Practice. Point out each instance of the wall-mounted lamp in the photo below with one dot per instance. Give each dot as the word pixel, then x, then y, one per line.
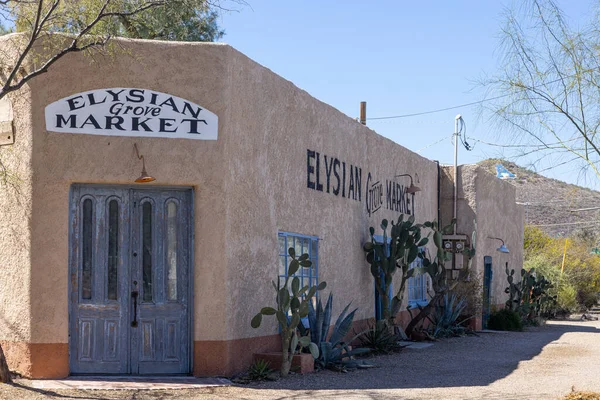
pixel 144 177
pixel 502 248
pixel 412 189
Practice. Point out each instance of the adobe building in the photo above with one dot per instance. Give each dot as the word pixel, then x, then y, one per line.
pixel 101 274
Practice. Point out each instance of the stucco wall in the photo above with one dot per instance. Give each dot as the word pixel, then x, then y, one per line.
pixel 491 202
pixel 248 185
pixel 498 216
pixel 15 206
pixel 266 148
pixel 15 223
pixel 197 72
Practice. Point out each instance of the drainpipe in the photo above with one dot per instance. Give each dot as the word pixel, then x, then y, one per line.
pixel 456 119
pixel 439 213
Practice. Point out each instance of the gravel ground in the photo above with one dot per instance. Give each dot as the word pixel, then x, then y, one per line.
pixel 542 363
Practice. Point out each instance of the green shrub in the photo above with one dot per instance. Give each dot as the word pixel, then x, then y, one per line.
pixel 505 320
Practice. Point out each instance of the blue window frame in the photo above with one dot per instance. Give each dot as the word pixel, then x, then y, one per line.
pixel 301 244
pixel 417 286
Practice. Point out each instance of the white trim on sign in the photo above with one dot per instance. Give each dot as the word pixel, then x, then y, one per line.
pixel 131 112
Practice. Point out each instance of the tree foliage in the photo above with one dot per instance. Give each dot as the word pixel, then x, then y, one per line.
pixel 548 89
pixel 578 284
pixel 187 20
pixel 50 29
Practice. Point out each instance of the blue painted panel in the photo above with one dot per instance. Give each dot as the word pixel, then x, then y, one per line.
pixel 487 287
pixel 127 335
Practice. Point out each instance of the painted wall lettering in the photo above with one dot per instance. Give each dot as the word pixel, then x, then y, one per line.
pixel 397 199
pixel 374 195
pixel 131 112
pixel 340 178
pixel 330 175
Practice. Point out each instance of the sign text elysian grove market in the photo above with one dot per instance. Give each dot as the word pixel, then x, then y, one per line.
pixel 131 112
pixel 331 175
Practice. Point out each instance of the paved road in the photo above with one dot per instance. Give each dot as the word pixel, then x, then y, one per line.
pixel 544 363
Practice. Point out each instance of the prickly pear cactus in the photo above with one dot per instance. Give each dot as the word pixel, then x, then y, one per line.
pixel 529 295
pixel 292 305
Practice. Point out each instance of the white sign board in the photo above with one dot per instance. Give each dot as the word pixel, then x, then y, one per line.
pixel 131 112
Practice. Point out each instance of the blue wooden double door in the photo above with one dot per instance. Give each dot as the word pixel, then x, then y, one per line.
pixel 130 262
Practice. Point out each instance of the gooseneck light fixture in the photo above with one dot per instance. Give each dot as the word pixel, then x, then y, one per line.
pixel 412 189
pixel 144 177
pixel 502 248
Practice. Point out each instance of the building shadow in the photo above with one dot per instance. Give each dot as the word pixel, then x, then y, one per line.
pixel 458 362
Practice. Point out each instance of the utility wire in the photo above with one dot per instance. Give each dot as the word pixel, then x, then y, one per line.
pixel 438 110
pixel 568 223
pixel 558 165
pixel 468 104
pixel 434 143
pixel 540 146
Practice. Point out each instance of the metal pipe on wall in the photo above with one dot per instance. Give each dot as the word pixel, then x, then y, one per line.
pixel 454 216
pixel 363 112
pixel 439 214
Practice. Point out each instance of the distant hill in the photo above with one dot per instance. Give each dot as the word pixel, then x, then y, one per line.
pixel 548 201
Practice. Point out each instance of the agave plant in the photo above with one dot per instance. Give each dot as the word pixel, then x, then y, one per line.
pixel 380 339
pixel 334 351
pixel 445 319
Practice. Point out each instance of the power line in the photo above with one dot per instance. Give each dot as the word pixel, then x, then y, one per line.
pixel 568 223
pixel 438 110
pixel 467 104
pixel 558 165
pixel 434 143
pixel 539 146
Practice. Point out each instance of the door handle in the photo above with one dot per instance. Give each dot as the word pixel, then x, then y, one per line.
pixel 134 296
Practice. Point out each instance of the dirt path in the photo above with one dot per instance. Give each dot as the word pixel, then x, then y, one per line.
pixel 544 363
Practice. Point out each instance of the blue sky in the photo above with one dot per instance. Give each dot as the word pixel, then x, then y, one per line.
pixel 401 57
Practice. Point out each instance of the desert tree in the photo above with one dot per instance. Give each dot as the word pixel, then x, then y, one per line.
pixel 546 95
pixel 47 30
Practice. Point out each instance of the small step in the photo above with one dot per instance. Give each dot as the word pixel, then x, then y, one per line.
pixel 125 382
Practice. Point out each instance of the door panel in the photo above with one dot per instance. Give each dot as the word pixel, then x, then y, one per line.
pixel 487 287
pixel 130 279
pixel 161 234
pixel 98 326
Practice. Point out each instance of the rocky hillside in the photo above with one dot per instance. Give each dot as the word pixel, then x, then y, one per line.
pixel 548 202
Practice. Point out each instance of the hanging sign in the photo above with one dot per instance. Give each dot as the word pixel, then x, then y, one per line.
pixel 131 112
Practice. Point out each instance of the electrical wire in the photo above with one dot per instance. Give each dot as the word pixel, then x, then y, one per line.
pixel 434 143
pixel 557 165
pixel 540 146
pixel 568 223
pixel 472 103
pixel 438 110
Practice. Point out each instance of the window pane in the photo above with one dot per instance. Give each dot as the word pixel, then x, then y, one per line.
pixel 147 250
pixel 113 248
pixel 282 265
pixel 306 246
pixel 298 246
pixel 282 249
pixel 172 251
pixel 87 248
